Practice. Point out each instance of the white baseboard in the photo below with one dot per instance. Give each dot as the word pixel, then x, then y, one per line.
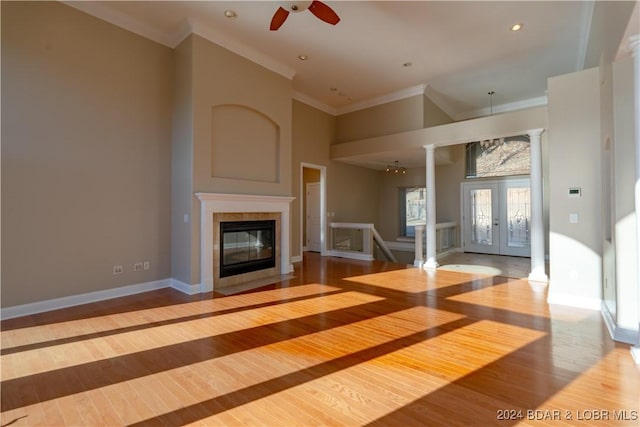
pixel 296 258
pixel 617 333
pixel 448 252
pixel 574 300
pixel 73 300
pixel 351 255
pixel 185 287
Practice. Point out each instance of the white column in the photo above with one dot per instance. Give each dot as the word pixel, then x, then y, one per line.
pixel 431 263
pixel 634 46
pixel 537 218
pixel 419 256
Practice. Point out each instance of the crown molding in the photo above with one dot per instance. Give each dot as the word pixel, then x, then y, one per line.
pixel 384 99
pixel 241 49
pixel 585 30
pixel 105 13
pixel 306 99
pixel 439 101
pixel 502 108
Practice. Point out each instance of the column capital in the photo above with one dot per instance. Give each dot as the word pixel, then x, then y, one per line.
pixel 535 132
pixel 429 147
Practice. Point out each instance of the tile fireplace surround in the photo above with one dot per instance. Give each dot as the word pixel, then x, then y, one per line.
pixel 211 203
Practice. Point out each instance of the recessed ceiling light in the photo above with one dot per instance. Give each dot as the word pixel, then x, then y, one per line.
pixel 303 57
pixel 517 27
pixel 231 14
pixel 407 64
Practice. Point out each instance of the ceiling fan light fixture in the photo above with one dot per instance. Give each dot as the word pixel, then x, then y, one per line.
pixel 303 57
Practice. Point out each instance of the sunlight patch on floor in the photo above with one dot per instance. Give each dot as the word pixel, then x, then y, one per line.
pixel 53 357
pixel 96 324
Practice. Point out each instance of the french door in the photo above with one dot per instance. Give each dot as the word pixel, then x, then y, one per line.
pixel 496 217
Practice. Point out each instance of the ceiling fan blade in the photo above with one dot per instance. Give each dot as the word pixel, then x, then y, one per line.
pixel 324 12
pixel 278 18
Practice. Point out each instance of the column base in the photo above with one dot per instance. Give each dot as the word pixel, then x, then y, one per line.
pixel 418 263
pixel 538 277
pixel 431 264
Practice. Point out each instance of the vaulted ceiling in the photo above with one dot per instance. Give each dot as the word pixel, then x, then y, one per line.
pixel 453 51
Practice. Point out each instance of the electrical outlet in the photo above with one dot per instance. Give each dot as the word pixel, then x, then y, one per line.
pixel 118 269
pixel 137 266
pixel 146 265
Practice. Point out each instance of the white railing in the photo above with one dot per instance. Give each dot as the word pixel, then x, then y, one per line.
pixel 356 240
pixel 445 240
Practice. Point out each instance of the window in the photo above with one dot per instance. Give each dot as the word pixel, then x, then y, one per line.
pixel 412 209
pixel 498 157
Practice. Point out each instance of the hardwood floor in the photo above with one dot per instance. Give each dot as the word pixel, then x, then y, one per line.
pixel 342 343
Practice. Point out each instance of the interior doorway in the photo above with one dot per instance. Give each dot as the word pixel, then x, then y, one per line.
pixel 313 208
pixel 312 217
pixel 496 217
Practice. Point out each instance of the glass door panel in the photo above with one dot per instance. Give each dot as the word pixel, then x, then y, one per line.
pixel 480 209
pixel 481 230
pixel 516 233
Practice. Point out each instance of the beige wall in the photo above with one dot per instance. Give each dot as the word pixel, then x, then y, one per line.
pixel 182 228
pixel 86 154
pixel 218 77
pixel 312 133
pixel 432 114
pixel 574 139
pixel 351 190
pixel 386 119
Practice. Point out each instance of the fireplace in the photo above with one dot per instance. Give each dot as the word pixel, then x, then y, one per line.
pixel 216 208
pixel 247 246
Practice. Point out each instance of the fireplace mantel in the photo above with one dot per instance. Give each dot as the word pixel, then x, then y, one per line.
pixel 211 203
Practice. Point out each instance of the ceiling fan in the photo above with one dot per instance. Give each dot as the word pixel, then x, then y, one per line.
pixel 319 9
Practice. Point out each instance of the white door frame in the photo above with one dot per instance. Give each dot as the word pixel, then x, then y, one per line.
pixel 323 205
pixel 500 238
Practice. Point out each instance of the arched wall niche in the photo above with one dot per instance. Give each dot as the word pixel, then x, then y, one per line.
pixel 245 144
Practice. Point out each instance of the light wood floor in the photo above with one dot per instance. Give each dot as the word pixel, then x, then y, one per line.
pixel 343 343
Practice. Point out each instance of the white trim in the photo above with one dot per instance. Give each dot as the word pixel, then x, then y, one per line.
pixel 571 300
pixel 384 99
pixel 401 246
pixel 105 13
pixel 502 108
pixel 585 30
pixel 184 287
pixel 448 252
pixel 628 336
pixel 351 255
pixel 241 49
pixel 306 99
pixel 323 205
pixel 295 259
pixel 73 300
pixel 439 101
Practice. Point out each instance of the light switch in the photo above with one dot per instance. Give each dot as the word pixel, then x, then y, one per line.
pixel 573 218
pixel 186 218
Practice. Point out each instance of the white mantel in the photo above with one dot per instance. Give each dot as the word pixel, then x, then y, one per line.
pixel 211 203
